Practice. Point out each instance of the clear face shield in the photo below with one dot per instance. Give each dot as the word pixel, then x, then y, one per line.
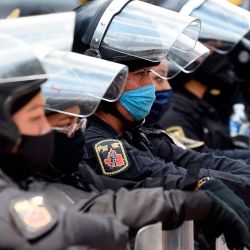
pixel 223 24
pixel 40 34
pixel 21 72
pixel 143 30
pixel 84 82
pixel 246 40
pixel 186 61
pixel 80 88
pixel 52 30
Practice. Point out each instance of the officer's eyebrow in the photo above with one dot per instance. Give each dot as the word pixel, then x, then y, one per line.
pixel 146 69
pixel 161 72
pixel 35 107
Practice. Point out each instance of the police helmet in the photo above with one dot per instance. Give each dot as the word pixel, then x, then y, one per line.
pixel 221 21
pixel 87 18
pixel 131 32
pixel 15 93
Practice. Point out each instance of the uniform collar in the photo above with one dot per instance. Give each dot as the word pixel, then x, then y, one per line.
pixel 101 125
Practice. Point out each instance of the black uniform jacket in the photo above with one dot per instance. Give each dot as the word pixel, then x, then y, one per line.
pixel 150 153
pixel 135 208
pixel 194 118
pixel 197 119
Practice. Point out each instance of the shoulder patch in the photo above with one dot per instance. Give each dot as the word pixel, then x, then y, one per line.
pixel 176 130
pixel 33 216
pixel 14 14
pixel 178 136
pixel 111 156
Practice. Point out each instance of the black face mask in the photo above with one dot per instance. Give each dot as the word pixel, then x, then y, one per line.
pixel 35 152
pixel 68 152
pixel 160 106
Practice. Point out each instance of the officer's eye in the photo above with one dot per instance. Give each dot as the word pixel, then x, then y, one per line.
pixel 140 73
pixel 159 80
pixel 156 79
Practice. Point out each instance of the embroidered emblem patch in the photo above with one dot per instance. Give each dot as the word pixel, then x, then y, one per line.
pixel 111 156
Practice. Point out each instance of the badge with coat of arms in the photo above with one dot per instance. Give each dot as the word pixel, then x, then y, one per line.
pixel 111 156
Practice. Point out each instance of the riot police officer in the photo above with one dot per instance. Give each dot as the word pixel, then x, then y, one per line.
pixel 137 158
pixel 33 220
pixel 198 108
pixel 161 105
pixel 193 115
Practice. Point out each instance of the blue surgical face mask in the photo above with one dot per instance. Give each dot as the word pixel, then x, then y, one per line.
pixel 160 106
pixel 138 102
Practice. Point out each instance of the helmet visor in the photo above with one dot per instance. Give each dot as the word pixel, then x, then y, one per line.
pixel 186 61
pixel 40 34
pixel 52 31
pixel 223 24
pixel 18 62
pixel 149 32
pixel 84 82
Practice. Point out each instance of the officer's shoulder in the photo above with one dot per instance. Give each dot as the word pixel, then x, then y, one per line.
pixel 97 133
pixel 174 117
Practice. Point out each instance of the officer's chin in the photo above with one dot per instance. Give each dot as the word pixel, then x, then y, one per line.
pixel 125 113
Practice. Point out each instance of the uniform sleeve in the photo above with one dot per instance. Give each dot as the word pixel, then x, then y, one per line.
pixel 121 160
pixel 209 161
pixel 234 173
pixel 212 162
pixel 142 207
pixel 32 221
pixel 236 154
pixel 159 179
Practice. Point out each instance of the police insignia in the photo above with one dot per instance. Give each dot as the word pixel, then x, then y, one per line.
pixel 14 14
pixel 111 156
pixel 178 136
pixel 177 130
pixel 33 216
pixel 215 92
